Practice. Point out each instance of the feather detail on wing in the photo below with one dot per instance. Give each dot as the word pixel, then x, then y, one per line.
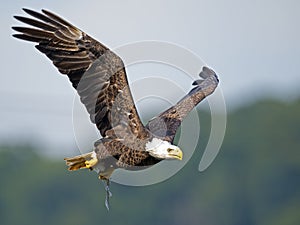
pixel 166 124
pixel 95 72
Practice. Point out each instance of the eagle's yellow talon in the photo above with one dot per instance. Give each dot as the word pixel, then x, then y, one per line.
pixel 91 163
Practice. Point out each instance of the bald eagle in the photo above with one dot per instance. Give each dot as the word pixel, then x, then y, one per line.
pixel 99 77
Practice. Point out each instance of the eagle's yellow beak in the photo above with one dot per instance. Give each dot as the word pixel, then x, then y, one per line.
pixel 175 153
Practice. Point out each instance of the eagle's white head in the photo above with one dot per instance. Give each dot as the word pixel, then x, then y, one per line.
pixel 163 149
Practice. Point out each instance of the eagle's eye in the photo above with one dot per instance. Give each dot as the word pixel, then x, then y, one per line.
pixel 169 149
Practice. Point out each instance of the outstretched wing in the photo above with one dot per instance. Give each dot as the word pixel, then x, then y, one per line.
pixel 166 124
pixel 96 73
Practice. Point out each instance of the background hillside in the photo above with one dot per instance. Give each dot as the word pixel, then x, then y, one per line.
pixel 255 179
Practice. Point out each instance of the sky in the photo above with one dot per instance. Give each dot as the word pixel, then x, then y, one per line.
pixel 253 46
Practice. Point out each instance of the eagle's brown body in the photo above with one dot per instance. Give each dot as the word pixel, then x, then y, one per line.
pixel 99 77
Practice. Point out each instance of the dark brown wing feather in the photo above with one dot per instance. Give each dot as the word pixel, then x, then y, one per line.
pixel 166 124
pixel 96 73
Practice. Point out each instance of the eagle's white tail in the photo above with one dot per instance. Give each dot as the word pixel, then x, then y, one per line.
pixel 87 160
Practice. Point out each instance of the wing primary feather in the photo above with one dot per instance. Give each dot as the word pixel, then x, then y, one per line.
pixel 76 31
pixel 26 37
pixel 58 19
pixel 42 17
pixel 34 32
pixel 35 23
pixel 197 82
pixel 206 72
